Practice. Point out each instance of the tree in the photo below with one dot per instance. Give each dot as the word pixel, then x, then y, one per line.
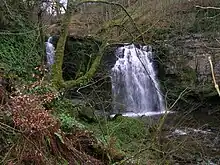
pixel 57 77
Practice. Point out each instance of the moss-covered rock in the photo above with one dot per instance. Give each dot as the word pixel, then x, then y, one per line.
pixel 186 66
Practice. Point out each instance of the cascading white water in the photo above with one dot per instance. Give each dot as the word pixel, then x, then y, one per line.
pixel 50 52
pixel 134 83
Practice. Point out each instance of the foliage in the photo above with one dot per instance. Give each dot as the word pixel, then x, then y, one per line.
pixel 14 15
pixel 29 114
pixel 40 89
pixel 63 106
pixel 19 41
pixel 20 54
pixel 44 128
pixel 40 137
pixel 67 113
pixel 68 123
pixel 129 133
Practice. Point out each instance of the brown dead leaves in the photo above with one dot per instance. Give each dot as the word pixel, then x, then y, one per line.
pixel 29 113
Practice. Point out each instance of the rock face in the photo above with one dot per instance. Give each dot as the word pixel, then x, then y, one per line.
pixel 186 63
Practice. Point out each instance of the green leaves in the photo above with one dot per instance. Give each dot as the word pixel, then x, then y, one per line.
pixel 68 122
pixel 20 54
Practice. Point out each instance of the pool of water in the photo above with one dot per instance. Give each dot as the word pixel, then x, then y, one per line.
pixel 195 137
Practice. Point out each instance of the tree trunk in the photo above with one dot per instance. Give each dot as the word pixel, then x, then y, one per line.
pixel 57 75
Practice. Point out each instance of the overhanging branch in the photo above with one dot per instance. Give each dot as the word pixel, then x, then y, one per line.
pixel 57 77
pixel 120 6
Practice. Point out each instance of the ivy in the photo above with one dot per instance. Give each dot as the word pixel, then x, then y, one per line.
pixel 20 54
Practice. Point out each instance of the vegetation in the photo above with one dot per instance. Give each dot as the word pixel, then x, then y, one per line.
pixel 62 116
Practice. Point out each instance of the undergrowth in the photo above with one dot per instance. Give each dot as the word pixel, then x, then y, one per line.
pixel 40 130
pixel 19 54
pixel 129 133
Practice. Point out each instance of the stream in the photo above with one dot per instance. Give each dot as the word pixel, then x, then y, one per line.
pixel 195 137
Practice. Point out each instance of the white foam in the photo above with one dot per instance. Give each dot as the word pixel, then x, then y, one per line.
pixel 187 131
pixel 179 132
pixel 132 114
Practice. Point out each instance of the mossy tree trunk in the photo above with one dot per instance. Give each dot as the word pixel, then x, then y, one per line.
pixel 83 80
pixel 57 76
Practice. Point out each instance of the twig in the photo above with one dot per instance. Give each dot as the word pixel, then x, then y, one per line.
pixel 208 7
pixel 152 26
pixel 10 128
pixel 179 97
pixel 133 156
pixel 118 5
pixel 9 152
pixel 213 76
pixel 20 33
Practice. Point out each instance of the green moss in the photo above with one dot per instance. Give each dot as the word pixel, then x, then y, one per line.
pixel 87 77
pixel 62 105
pixel 128 132
pixel 126 129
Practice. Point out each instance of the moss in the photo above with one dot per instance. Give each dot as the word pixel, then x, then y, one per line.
pixel 126 129
pixel 57 74
pixel 65 106
pixel 87 77
pixel 87 52
pixel 129 133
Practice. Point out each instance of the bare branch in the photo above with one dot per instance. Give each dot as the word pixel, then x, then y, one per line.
pixel 213 76
pixel 208 7
pixel 122 7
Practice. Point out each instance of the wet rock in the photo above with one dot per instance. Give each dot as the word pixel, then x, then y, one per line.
pixel 186 63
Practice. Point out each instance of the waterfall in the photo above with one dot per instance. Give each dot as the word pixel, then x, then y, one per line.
pixel 50 52
pixel 135 88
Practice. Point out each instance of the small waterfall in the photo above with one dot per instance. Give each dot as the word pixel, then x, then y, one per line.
pixel 50 52
pixel 135 87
